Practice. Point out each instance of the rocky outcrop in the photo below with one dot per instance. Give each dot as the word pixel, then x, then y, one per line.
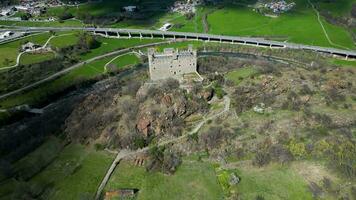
pixel 143 126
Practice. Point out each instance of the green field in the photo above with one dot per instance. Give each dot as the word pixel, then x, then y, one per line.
pixel 238 75
pixel 193 180
pixel 11 50
pixel 299 26
pixel 31 58
pixel 64 40
pixel 76 76
pixel 75 173
pixel 273 182
pixel 346 63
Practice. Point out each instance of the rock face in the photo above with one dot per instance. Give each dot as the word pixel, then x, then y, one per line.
pixel 166 100
pixel 121 118
pixel 143 126
pixel 208 94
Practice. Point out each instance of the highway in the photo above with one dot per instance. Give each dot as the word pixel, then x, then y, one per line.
pixel 143 33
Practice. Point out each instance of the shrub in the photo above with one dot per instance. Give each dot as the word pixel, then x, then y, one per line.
pixel 297 148
pixel 280 154
pixel 261 158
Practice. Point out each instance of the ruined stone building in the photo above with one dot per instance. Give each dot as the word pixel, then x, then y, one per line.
pixel 171 63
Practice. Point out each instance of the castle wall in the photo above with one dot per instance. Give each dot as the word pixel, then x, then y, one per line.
pixel 171 63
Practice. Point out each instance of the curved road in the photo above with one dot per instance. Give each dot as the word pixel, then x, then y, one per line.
pixel 143 33
pixel 56 75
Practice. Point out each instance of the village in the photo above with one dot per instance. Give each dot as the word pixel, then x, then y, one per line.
pixel 274 7
pixel 32 8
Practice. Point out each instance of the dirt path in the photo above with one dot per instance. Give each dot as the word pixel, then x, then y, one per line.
pixel 322 26
pixel 125 153
pixel 34 50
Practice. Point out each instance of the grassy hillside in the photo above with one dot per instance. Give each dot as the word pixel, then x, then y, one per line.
pixel 299 26
pixel 193 180
pixel 75 172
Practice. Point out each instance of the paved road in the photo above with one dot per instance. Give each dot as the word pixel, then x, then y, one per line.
pixel 60 73
pixel 188 35
pixel 125 153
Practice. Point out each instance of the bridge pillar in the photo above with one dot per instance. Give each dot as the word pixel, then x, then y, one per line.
pixel 151 36
pixel 162 36
pixel 270 46
pixel 197 38
pixel 220 40
pixel 347 57
pixel 129 34
pixel 106 34
pixel 174 37
pixel 186 37
pixel 141 36
pixel 118 34
pixel 232 41
pixel 208 39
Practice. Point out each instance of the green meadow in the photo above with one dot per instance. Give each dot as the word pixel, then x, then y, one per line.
pixel 271 182
pixel 9 51
pixel 31 58
pixel 73 172
pixel 74 77
pixel 298 26
pixel 238 75
pixel 192 180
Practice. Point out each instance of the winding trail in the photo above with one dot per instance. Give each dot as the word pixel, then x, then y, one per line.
pixel 116 57
pixel 322 26
pixel 34 50
pixel 60 73
pixel 126 153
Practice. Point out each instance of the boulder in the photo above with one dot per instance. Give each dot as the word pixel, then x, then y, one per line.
pixel 166 100
pixel 208 94
pixel 143 125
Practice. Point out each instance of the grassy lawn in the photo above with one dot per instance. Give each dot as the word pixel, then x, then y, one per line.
pixel 64 40
pixel 272 182
pixel 345 63
pixel 11 50
pixel 125 60
pixel 193 180
pixel 31 58
pixel 109 45
pixel 238 75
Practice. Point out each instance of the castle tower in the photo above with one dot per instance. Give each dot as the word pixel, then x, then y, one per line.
pixel 171 63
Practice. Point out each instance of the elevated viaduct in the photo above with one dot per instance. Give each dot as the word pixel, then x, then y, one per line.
pixel 143 33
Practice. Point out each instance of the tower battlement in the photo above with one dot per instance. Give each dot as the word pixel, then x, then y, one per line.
pixel 171 63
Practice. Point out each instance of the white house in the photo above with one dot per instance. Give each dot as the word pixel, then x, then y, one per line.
pixel 130 8
pixel 6 34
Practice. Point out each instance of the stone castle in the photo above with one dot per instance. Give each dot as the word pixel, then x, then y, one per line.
pixel 171 63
